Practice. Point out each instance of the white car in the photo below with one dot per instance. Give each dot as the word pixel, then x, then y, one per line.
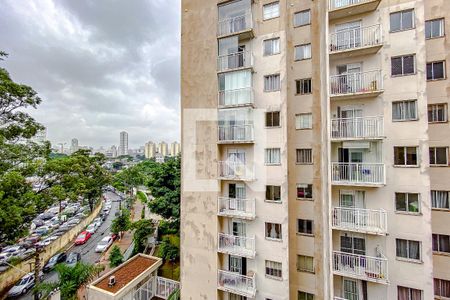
pixel 23 285
pixel 104 244
pixel 92 228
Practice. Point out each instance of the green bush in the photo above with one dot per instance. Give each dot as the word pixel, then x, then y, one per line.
pixel 115 257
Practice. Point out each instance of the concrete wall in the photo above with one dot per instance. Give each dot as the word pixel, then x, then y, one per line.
pixel 10 276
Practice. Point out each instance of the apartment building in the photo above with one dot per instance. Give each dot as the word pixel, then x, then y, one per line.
pixel 315 150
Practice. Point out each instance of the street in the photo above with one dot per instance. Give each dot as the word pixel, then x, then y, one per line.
pixel 87 250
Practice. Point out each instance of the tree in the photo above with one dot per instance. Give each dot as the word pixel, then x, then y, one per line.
pixel 70 279
pixel 122 222
pixel 115 257
pixel 143 229
pixel 169 249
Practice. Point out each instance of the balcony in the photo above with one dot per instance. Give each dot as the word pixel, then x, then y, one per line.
pixel 371 221
pixel 235 134
pixel 236 245
pixel 234 61
pixel 236 208
pixel 369 268
pixel 165 287
pixel 360 128
pixel 358 174
pixel 357 41
pixel 240 25
pixel 236 283
pixel 356 85
pixel 236 98
pixel 346 8
pixel 235 170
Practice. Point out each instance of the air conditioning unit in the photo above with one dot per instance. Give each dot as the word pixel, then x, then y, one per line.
pixel 112 281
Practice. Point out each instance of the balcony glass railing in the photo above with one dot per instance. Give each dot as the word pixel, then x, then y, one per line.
pixel 234 170
pixel 237 60
pixel 338 4
pixel 236 133
pixel 357 128
pixel 236 24
pixel 165 287
pixel 237 97
pixel 363 267
pixel 360 220
pixel 237 283
pixel 356 38
pixel 358 173
pixel 236 207
pixel 236 245
pixel 354 83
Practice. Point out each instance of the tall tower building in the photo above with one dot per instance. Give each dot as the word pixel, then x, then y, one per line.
pixel 163 149
pixel 175 148
pixel 74 147
pixel 123 146
pixel 315 149
pixel 150 150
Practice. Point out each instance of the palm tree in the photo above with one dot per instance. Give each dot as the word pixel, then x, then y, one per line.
pixel 70 279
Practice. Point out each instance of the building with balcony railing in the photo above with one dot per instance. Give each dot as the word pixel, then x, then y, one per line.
pixel 357 128
pixel 237 245
pixel 364 174
pixel 356 85
pixel 236 133
pixel 369 268
pixel 370 221
pixel 236 208
pixel 236 283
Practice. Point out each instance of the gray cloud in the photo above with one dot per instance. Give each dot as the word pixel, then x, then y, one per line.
pixel 100 66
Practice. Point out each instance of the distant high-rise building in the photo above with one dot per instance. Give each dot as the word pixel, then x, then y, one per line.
pixel 74 147
pixel 163 149
pixel 175 149
pixel 123 147
pixel 150 150
pixel 112 152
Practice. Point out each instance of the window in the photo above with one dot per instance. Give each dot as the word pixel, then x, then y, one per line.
pixel 305 296
pixel 437 113
pixel 304 191
pixel 438 156
pixel 405 293
pixel 439 199
pixel 435 70
pixel 408 202
pixel 404 110
pixel 273 231
pixel 273 119
pixel 305 226
pixel 441 243
pixel 272 156
pixel 272 46
pixel 303 86
pixel 271 10
pixel 236 297
pixel 441 288
pixel 273 269
pixel 305 263
pixel 303 121
pixel 434 28
pixel 303 52
pixel 272 83
pixel 403 65
pixel 402 20
pixel 302 18
pixel 273 192
pixel 405 156
pixel 304 156
pixel 408 249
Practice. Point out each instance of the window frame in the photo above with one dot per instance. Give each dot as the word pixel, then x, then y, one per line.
pixel 409 292
pixel 304 58
pixel 435 193
pixel 279 83
pixel 270 189
pixel 442 21
pixel 266 156
pixel 277 3
pixel 298 123
pixel 271 113
pixel 300 150
pixel 274 267
pixel 401 12
pixel 408 258
pixel 266 233
pixel 305 224
pixel 405 154
pixel 299 12
pixel 440 281
pixel 305 258
pixel 404 103
pixel 299 84
pixel 308 185
pixel 439 251
pixel 305 295
pixel 403 73
pixel 271 40
pixel 436 164
pixel 407 211
pixel 434 111
pixel 444 73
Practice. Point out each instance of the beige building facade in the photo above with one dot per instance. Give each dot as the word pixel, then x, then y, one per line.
pixel 315 150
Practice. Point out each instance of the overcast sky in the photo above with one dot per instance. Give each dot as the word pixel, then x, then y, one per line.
pixel 100 66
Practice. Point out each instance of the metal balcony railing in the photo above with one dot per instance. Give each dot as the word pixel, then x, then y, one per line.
pixel 235 25
pixel 338 4
pixel 237 283
pixel 237 60
pixel 360 220
pixel 165 287
pixel 358 173
pixel 353 83
pixel 236 133
pixel 236 245
pixel 237 97
pixel 362 267
pixel 236 207
pixel 357 128
pixel 234 170
pixel 356 38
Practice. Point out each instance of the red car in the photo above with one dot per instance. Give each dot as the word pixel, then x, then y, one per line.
pixel 82 238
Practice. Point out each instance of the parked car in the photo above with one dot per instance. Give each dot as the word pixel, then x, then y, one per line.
pixel 104 244
pixel 23 285
pixel 14 250
pixel 114 236
pixel 72 259
pixel 38 222
pixel 98 221
pixel 103 216
pixel 43 230
pixel 73 222
pixel 82 238
pixel 46 216
pixel 52 262
pixel 28 253
pixel 105 211
pixel 4 256
pixel 92 228
pixel 34 238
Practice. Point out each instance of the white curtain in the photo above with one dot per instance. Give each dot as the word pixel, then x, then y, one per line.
pixel 237 86
pixel 439 199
